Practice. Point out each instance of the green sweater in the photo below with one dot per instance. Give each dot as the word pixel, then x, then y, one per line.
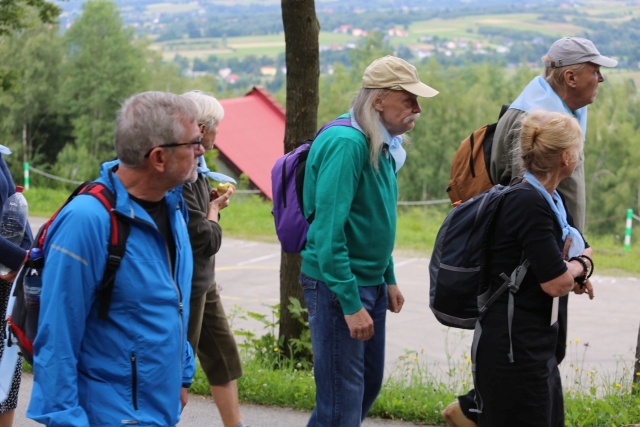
pixel 351 238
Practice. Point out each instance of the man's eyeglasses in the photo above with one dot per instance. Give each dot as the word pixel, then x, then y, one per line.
pixel 193 143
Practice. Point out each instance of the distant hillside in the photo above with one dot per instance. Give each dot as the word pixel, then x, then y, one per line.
pixel 336 4
pixel 245 37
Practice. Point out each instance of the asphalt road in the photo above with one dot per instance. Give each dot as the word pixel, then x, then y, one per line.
pixel 602 333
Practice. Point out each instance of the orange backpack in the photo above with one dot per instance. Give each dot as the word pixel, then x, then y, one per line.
pixel 470 164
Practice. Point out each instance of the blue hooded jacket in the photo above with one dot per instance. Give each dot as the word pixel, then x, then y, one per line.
pixel 129 368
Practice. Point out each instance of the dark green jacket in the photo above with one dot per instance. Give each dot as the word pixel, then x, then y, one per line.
pixel 205 235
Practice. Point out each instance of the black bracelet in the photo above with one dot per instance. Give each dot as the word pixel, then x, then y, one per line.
pixel 590 262
pixel 581 280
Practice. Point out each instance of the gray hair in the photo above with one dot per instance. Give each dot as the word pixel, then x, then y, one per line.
pixel 555 75
pixel 211 111
pixel 150 119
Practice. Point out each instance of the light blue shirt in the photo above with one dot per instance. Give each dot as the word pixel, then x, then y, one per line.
pixel 395 143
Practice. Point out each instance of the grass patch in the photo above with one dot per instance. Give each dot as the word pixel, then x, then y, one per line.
pixel 466 27
pixel 237 47
pixel 417 228
pixel 169 7
pixel 249 217
pixel 416 393
pixel 43 202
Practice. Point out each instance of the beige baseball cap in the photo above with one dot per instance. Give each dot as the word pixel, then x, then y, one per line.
pixel 575 50
pixel 390 72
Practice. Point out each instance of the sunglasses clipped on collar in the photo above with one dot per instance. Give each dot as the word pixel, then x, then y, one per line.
pixel 193 143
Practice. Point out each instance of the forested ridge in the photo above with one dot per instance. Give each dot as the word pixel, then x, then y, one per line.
pixel 62 91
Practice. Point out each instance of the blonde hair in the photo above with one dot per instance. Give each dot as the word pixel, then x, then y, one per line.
pixel 544 136
pixel 210 109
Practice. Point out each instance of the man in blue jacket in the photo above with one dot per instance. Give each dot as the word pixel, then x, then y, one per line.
pixel 134 367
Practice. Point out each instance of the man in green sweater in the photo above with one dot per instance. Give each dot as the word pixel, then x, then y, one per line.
pixel 347 268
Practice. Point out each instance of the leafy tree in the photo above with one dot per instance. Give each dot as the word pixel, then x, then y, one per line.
pixel 32 120
pixel 611 159
pixel 15 14
pixel 371 47
pixel 159 75
pixel 103 67
pixel 338 89
pixel 278 81
pixel 301 29
pixel 470 97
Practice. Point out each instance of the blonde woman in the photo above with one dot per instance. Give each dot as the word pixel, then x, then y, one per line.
pixel 517 378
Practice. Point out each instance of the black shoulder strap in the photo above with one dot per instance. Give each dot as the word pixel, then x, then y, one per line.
pixel 120 228
pixel 503 110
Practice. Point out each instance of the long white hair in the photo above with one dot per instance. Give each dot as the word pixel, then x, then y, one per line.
pixel 369 120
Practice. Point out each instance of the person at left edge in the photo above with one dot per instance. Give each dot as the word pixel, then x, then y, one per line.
pixel 133 368
pixel 12 256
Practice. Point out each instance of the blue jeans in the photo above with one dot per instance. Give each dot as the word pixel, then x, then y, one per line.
pixel 348 372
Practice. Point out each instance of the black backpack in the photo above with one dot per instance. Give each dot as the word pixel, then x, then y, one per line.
pixel 459 290
pixel 23 321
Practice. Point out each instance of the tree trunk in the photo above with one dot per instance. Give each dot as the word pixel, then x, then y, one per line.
pixel 301 29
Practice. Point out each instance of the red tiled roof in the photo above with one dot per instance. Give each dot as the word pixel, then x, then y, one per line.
pixel 252 135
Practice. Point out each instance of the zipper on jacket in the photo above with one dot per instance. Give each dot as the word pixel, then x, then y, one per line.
pixel 134 381
pixel 180 303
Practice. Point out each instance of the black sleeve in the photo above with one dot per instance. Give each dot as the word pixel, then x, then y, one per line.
pixel 532 231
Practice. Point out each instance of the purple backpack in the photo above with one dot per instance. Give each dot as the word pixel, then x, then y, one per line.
pixel 287 180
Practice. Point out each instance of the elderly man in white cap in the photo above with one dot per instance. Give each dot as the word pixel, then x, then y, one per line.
pixel 569 82
pixel 347 268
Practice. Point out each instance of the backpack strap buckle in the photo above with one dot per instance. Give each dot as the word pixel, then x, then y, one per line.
pixel 517 275
pixel 113 262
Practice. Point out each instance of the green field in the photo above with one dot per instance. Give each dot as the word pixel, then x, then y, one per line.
pixel 168 7
pixel 236 47
pixel 466 27
pixel 608 8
